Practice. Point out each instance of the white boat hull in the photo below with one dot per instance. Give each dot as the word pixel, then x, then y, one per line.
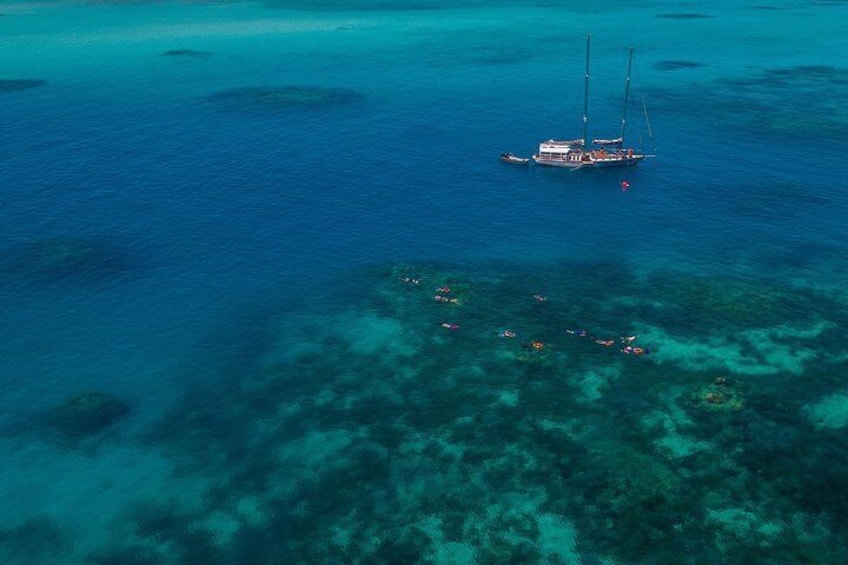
pixel 591 163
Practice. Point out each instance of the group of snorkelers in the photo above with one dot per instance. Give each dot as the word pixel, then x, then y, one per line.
pixel 627 342
pixel 443 294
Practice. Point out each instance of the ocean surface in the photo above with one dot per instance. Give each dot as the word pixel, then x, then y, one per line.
pixel 261 269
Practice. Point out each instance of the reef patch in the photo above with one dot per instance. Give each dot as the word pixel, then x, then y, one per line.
pixel 676 65
pixel 86 414
pixel 683 16
pixel 360 5
pixel 188 53
pixel 63 258
pixel 15 85
pixel 458 414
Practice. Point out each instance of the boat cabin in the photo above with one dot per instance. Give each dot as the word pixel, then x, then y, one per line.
pixel 552 150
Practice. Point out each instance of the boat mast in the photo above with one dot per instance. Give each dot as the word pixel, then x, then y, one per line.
pixel 586 96
pixel 626 95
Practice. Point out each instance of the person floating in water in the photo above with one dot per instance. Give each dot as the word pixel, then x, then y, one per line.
pixel 536 345
pixel 507 333
pixel 440 298
pixel 627 341
pixel 630 350
pixel 409 280
pixel 444 289
pixel 539 297
pixel 449 326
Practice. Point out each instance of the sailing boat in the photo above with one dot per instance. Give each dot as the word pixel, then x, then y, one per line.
pixel 575 154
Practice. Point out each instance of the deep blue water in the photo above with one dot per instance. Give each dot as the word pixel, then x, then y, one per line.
pixel 163 234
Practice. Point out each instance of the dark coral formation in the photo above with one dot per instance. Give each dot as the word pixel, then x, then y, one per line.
pixel 275 99
pixel 801 76
pixel 189 53
pixel 39 539
pixel 364 5
pixel 63 258
pixel 86 414
pixel 676 65
pixel 720 394
pixel 385 424
pixel 15 85
pixel 766 102
pixel 683 16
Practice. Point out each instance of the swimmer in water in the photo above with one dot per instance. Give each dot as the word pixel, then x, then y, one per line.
pixel 636 350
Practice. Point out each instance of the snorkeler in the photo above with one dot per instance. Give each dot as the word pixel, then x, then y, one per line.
pixel 448 326
pixel 444 289
pixel 539 297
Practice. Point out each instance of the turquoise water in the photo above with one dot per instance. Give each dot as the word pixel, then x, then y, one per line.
pixel 211 355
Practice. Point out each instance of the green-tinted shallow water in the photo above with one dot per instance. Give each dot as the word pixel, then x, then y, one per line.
pixel 228 231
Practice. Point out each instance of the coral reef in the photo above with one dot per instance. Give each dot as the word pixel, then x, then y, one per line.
pixel 39 539
pixel 378 435
pixel 763 103
pixel 189 53
pixel 676 65
pixel 683 16
pixel 86 414
pixel 720 394
pixel 365 5
pixel 64 258
pixel 14 85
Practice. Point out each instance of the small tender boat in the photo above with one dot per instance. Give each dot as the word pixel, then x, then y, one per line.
pixel 510 158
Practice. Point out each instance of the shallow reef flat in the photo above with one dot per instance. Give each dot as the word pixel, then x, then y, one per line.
pixel 495 414
pixel 767 101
